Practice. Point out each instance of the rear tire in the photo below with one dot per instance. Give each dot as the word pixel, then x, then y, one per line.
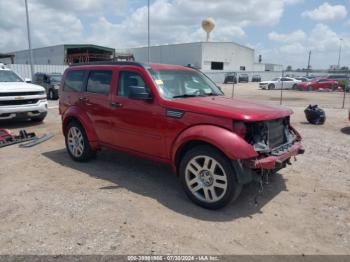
pixel 294 87
pixel 77 143
pixel 208 177
pixel 51 95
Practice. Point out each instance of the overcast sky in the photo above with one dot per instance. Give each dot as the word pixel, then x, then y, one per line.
pixel 283 31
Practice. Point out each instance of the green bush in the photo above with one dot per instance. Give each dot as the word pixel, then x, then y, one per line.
pixel 344 84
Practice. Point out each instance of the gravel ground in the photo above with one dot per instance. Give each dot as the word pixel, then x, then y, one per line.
pixel 119 204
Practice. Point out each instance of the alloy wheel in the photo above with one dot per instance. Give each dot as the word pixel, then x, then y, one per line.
pixel 206 178
pixel 75 141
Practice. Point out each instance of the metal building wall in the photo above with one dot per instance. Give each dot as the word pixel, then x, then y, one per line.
pixel 178 54
pixel 231 54
pixel 201 55
pixel 24 70
pixel 53 55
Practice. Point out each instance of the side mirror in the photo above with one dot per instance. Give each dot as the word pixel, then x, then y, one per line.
pixel 140 93
pixel 27 80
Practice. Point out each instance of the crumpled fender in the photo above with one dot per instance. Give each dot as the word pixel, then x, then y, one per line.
pixel 84 119
pixel 232 145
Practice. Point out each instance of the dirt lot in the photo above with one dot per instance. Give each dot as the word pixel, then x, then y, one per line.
pixel 118 204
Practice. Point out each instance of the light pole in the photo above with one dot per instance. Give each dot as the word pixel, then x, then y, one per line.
pixel 308 64
pixel 148 32
pixel 29 42
pixel 340 42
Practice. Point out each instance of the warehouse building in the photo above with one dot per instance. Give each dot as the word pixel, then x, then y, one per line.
pixel 63 54
pixel 207 56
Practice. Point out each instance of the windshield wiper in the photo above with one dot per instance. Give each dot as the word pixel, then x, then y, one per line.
pixel 193 95
pixel 185 95
pixel 211 94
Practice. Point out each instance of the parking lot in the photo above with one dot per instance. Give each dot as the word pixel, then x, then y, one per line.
pixel 119 204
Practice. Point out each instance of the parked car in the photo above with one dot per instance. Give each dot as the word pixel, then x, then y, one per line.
pixel 175 115
pixel 338 77
pixel 243 78
pixel 303 79
pixel 19 99
pixel 256 78
pixel 51 83
pixel 230 78
pixel 280 82
pixel 318 84
pixel 343 81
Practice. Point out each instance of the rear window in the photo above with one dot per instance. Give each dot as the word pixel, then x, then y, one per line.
pixel 74 81
pixel 99 82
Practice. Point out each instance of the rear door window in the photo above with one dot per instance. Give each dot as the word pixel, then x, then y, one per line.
pixel 99 82
pixel 74 81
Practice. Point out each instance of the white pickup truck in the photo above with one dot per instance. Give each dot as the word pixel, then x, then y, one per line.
pixel 19 99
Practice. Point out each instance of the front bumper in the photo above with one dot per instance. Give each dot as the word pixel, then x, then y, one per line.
pixel 23 111
pixel 275 162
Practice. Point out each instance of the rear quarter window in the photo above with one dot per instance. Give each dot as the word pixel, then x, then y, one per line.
pixel 74 81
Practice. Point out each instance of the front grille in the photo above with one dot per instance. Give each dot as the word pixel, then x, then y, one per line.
pixel 268 135
pixel 276 133
pixel 33 93
pixel 18 102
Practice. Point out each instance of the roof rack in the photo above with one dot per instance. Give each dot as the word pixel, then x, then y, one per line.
pixel 111 63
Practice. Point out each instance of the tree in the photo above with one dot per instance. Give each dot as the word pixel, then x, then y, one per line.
pixel 289 68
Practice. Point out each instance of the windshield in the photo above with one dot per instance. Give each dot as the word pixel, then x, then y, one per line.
pixel 56 78
pixel 275 79
pixel 183 83
pixel 9 76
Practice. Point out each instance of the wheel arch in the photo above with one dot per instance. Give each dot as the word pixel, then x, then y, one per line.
pixel 227 142
pixel 75 114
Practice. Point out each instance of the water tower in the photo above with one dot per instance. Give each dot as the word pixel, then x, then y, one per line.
pixel 208 25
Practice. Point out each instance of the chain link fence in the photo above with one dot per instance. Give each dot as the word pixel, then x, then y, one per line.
pixel 285 95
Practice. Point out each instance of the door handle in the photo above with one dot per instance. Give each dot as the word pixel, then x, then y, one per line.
pixel 116 104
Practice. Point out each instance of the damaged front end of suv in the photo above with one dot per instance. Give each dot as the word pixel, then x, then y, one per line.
pixel 275 142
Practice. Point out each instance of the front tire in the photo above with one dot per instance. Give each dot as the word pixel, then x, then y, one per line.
pixel 271 86
pixel 77 143
pixel 208 177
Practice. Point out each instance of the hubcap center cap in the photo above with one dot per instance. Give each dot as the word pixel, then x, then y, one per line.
pixel 206 177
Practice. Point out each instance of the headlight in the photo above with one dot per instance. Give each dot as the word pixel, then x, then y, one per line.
pixel 239 128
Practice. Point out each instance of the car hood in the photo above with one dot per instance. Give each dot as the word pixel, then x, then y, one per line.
pixel 237 109
pixel 19 87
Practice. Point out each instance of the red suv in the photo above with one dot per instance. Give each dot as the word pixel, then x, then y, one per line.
pixel 178 116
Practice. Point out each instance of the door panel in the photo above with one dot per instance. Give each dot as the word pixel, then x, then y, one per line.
pixel 96 102
pixel 137 124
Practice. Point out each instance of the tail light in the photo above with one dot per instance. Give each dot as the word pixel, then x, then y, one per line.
pixel 239 128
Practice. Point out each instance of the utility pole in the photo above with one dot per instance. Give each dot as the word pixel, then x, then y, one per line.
pixel 340 42
pixel 148 32
pixel 308 64
pixel 29 42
